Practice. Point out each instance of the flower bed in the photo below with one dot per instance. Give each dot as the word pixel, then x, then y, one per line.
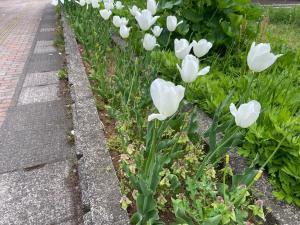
pixel 169 176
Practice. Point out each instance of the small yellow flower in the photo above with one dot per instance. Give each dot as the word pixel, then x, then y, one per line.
pixel 125 202
pixel 227 159
pixel 258 175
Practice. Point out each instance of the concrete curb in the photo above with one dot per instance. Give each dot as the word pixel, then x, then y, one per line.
pixel 99 183
pixel 282 213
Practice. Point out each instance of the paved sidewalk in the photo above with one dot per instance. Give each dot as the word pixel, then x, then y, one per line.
pixel 38 181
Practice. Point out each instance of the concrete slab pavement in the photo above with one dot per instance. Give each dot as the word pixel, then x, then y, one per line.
pixel 38 174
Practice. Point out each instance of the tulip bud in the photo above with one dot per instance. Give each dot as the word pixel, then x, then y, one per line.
pixel 149 42
pixel 119 5
pixel 260 57
pixel 172 23
pixel 145 19
pixel 189 70
pixel 157 31
pixel 105 14
pixel 152 6
pixel 109 4
pixel 95 4
pixel 135 11
pixel 118 21
pixel 166 97
pixel 246 114
pixel 201 48
pixel 124 31
pixel 182 48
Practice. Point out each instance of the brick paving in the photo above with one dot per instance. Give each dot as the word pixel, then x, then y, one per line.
pixel 19 22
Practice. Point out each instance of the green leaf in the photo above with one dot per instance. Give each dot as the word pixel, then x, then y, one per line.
pixel 165 4
pixel 213 220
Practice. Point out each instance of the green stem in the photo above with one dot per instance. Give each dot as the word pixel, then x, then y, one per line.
pixel 224 181
pixel 152 151
pixel 259 171
pixel 211 155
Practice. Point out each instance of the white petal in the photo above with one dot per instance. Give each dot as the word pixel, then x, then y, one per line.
pixel 204 71
pixel 262 62
pixel 247 114
pixel 156 116
pixel 233 109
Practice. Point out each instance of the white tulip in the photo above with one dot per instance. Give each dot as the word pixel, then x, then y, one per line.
pixel 81 2
pixel 201 47
pixel 105 14
pixel 95 3
pixel 109 4
pixel 166 97
pixel 189 70
pixel 119 5
pixel 246 114
pixel 118 21
pixel 55 2
pixel 149 42
pixel 260 57
pixel 124 31
pixel 152 6
pixel 172 23
pixel 145 19
pixel 157 31
pixel 124 21
pixel 134 11
pixel 182 48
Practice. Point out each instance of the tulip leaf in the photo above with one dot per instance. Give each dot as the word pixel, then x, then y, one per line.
pixel 213 220
pixel 167 4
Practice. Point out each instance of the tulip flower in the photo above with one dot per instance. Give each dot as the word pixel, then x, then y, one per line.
pixel 172 23
pixel 134 11
pixel 95 3
pixel 118 21
pixel 119 5
pixel 201 47
pixel 108 4
pixel 260 57
pixel 105 14
pixel 246 114
pixel 55 2
pixel 145 19
pixel 81 2
pixel 124 31
pixel 166 98
pixel 189 70
pixel 157 31
pixel 152 6
pixel 182 48
pixel 149 42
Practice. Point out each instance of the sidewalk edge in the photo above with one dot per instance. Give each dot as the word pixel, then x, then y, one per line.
pixel 99 183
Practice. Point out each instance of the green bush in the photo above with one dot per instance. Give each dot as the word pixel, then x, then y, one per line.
pixel 221 21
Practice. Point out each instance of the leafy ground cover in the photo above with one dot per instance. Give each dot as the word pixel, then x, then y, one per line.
pixel 278 91
pixel 171 176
